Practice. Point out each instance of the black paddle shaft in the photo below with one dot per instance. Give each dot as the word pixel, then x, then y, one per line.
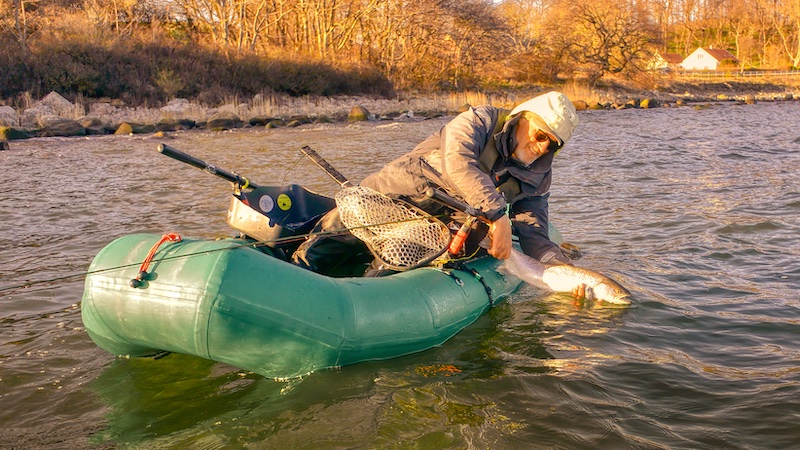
pixel 324 165
pixel 202 165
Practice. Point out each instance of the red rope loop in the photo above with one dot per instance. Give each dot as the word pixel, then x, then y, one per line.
pixel 172 237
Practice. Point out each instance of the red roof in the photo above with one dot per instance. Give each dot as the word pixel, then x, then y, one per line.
pixel 672 58
pixel 719 54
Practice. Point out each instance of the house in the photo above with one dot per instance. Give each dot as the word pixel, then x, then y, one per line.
pixel 665 61
pixel 709 59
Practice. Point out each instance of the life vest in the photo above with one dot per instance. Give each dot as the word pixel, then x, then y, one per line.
pixel 504 183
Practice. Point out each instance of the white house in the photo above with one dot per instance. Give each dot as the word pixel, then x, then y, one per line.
pixel 708 59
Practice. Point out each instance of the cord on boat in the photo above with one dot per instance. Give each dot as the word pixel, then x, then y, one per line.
pixel 255 245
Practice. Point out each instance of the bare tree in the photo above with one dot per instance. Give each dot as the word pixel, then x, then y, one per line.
pixel 608 37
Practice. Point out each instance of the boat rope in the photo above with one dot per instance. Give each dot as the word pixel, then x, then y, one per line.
pixel 142 275
pixel 255 245
pixel 480 278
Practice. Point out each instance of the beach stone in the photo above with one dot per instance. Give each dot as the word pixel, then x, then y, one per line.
pixel 596 106
pixel 358 114
pixel 277 123
pixel 223 121
pixel 177 107
pixel 53 125
pixel 580 105
pixel 8 117
pixel 166 125
pixel 102 109
pixel 30 117
pixel 90 121
pixel 260 121
pixel 750 99
pixel 10 134
pixel 648 103
pixel 58 104
pixel 124 128
pixel 95 125
pixel 134 128
pixel 185 124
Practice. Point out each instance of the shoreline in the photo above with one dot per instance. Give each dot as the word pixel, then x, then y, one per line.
pixel 55 116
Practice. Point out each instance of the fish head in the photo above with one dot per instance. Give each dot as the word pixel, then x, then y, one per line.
pixel 611 292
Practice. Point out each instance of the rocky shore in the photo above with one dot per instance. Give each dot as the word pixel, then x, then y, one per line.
pixel 54 115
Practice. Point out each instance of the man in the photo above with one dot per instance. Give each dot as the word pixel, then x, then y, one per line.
pixel 496 161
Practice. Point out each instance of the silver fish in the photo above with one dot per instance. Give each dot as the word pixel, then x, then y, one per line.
pixel 564 278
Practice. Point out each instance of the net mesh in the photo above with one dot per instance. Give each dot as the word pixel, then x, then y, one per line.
pixel 399 235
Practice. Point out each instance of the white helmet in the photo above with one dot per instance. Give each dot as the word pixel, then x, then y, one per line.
pixel 557 114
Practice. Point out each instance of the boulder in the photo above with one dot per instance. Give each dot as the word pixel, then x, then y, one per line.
pixel 174 125
pixel 177 107
pixel 580 105
pixel 124 128
pixel 750 99
pixel 102 109
pixel 30 117
pixel 297 120
pixel 223 121
pixel 358 114
pixel 8 117
pixel 10 134
pixel 260 121
pixel 134 128
pixel 185 124
pixel 53 125
pixel 95 125
pixel 276 123
pixel 648 103
pixel 166 125
pixel 58 104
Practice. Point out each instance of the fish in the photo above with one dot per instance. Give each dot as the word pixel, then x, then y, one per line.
pixel 564 278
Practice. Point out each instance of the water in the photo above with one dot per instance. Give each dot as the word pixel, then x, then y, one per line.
pixel 695 211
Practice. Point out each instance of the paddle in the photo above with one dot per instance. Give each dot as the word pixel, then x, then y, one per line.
pixel 174 153
pixel 325 166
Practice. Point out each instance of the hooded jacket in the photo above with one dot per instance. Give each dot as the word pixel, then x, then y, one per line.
pixel 470 159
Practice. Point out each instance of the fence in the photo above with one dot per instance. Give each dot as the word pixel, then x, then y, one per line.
pixel 721 75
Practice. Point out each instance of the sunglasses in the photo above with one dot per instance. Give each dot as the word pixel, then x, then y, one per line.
pixel 540 136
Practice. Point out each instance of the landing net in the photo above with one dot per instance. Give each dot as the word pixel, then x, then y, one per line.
pixel 399 235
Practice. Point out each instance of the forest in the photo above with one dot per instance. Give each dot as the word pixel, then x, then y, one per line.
pixel 147 52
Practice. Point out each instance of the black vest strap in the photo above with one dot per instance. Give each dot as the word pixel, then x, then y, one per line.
pixel 488 158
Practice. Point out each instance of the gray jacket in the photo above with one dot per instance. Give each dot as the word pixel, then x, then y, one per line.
pixel 452 159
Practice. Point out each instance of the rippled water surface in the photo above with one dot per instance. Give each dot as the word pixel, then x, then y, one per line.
pixel 694 210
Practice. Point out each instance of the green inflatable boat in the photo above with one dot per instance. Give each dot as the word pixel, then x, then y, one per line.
pixel 228 302
pixel 239 301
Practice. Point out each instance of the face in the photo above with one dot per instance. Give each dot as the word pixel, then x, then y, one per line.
pixel 532 143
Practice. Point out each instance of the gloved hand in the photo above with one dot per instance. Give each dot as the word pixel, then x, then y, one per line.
pixel 500 231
